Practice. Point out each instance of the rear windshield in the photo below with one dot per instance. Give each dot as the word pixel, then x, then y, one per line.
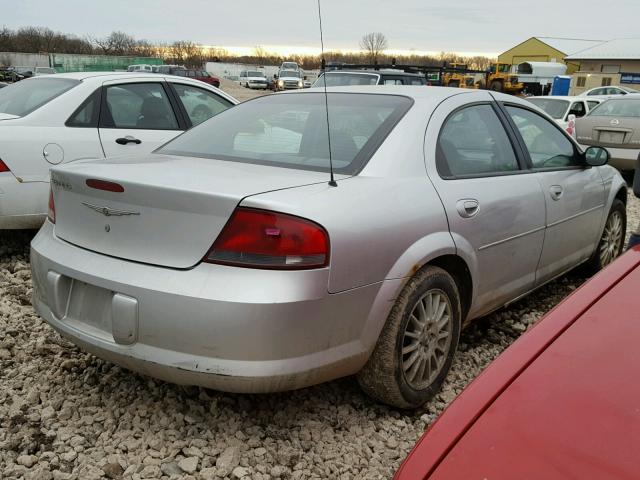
pixel 552 106
pixel 28 95
pixel 346 79
pixel 291 131
pixel 617 108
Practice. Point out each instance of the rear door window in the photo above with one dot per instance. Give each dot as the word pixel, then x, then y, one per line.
pixel 138 105
pixel 473 142
pixel 200 104
pixel 28 95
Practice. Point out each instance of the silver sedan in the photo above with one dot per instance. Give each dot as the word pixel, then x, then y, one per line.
pixel 227 259
pixel 614 124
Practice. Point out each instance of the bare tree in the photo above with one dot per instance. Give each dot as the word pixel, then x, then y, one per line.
pixel 374 44
pixel 117 43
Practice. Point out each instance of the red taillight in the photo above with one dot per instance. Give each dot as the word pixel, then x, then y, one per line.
pixel 104 185
pixel 3 167
pixel 263 239
pixel 51 215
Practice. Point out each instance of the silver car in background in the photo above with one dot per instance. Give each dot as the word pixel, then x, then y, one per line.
pixel 226 258
pixel 615 124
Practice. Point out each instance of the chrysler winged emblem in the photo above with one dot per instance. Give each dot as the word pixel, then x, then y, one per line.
pixel 109 212
pixel 615 122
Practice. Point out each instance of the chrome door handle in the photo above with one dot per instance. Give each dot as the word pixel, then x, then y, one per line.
pixel 467 207
pixel 556 192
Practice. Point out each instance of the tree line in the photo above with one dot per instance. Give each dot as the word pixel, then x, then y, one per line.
pixel 188 53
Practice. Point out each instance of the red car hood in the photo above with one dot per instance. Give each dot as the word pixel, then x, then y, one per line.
pixel 562 402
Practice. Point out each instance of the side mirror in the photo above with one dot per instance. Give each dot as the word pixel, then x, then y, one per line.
pixel 275 76
pixel 596 156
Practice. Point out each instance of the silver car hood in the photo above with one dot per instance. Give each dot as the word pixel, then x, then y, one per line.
pixel 171 210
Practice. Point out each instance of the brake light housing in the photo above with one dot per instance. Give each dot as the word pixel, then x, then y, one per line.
pixel 255 238
pixel 51 213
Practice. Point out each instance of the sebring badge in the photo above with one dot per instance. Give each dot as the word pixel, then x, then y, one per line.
pixel 109 212
pixel 615 122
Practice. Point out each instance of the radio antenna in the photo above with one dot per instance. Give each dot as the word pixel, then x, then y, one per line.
pixel 332 181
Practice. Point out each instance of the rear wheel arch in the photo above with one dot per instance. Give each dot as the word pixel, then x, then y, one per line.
pixel 459 270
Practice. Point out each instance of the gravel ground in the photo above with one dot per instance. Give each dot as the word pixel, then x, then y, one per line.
pixel 65 414
pixel 241 93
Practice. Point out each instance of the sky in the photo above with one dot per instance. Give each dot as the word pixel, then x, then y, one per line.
pixel 291 26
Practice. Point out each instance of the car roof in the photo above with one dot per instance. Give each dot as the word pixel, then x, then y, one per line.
pixel 562 401
pixel 88 75
pixel 413 91
pixel 563 97
pixel 386 71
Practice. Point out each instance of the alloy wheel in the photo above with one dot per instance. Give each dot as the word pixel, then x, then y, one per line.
pixel 611 243
pixel 427 339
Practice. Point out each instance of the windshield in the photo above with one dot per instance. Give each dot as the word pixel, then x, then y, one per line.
pixel 255 74
pixel 344 79
pixel 290 73
pixel 291 131
pixel 290 65
pixel 552 106
pixel 617 108
pixel 28 95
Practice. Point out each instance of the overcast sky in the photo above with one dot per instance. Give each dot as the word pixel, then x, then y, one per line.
pixel 487 26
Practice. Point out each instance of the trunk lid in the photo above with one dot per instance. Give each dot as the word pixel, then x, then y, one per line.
pixel 171 210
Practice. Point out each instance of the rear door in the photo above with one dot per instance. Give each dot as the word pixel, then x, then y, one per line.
pixel 495 208
pixel 137 116
pixel 574 193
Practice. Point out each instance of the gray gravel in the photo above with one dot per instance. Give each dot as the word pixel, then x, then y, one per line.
pixel 65 414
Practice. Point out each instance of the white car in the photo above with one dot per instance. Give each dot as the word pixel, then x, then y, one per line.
pixel 50 120
pixel 609 91
pixel 560 108
pixel 289 80
pixel 253 79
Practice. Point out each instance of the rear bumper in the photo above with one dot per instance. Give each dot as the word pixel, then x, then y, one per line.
pixel 623 158
pixel 22 205
pixel 220 327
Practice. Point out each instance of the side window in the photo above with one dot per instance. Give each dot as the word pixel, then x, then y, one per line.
pixel 592 104
pixel 138 105
pixel 392 81
pixel 86 115
pixel 200 104
pixel 473 141
pixel 548 147
pixel 577 109
pixel 597 91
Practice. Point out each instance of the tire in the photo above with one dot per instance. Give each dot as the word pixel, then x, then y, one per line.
pixel 384 377
pixel 496 86
pixel 612 240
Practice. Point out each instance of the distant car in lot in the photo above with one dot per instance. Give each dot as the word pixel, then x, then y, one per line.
pixel 288 80
pixel 253 79
pixel 289 66
pixel 560 108
pixel 199 75
pixel 49 120
pixel 225 259
pixel 614 124
pixel 609 91
pixel 561 402
pixel 341 78
pixel 167 69
pixel 140 68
